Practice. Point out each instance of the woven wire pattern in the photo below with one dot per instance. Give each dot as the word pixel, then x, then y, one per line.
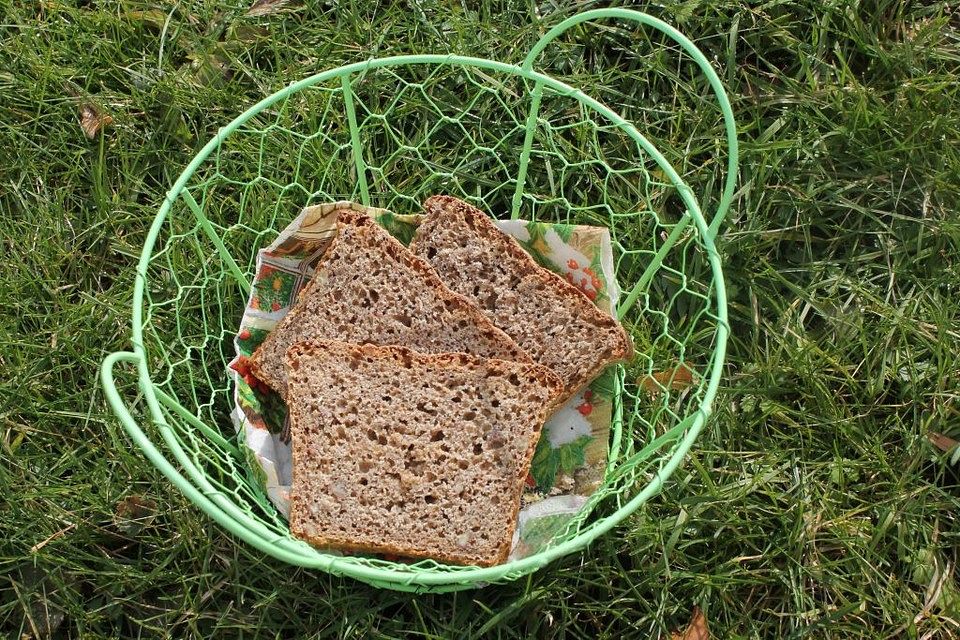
pixel 427 130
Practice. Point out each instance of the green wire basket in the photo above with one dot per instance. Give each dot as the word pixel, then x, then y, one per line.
pixel 389 132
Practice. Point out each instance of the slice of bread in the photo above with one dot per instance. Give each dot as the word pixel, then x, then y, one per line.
pixel 368 287
pixel 410 454
pixel 549 318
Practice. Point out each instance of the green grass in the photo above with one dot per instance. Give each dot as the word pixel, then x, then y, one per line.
pixel 813 505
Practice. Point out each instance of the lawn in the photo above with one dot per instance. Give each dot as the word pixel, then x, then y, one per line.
pixel 813 505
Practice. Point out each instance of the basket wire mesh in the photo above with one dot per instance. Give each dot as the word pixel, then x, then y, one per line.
pixel 504 137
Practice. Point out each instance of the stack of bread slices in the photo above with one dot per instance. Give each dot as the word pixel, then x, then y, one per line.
pixel 418 380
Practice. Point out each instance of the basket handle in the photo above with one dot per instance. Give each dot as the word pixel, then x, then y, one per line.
pixel 130 425
pixel 140 439
pixel 194 494
pixel 723 101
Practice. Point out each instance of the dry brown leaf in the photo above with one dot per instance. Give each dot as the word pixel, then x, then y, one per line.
pixel 942 442
pixel 92 120
pixel 134 513
pixel 678 378
pixel 245 33
pixel 696 630
pixel 152 17
pixel 268 7
pixel 210 69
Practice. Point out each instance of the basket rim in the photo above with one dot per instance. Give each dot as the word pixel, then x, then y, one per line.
pixel 302 554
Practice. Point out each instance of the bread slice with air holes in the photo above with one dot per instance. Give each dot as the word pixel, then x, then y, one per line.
pixel 368 287
pixel 411 454
pixel 547 316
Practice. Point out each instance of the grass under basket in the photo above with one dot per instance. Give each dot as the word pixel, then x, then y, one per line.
pixel 813 506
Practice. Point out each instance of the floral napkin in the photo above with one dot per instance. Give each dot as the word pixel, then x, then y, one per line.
pixel 571 457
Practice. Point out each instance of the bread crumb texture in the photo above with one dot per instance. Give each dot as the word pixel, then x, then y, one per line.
pixel 417 455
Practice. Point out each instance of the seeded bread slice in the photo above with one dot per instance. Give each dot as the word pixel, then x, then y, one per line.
pixel 368 287
pixel 410 454
pixel 548 317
